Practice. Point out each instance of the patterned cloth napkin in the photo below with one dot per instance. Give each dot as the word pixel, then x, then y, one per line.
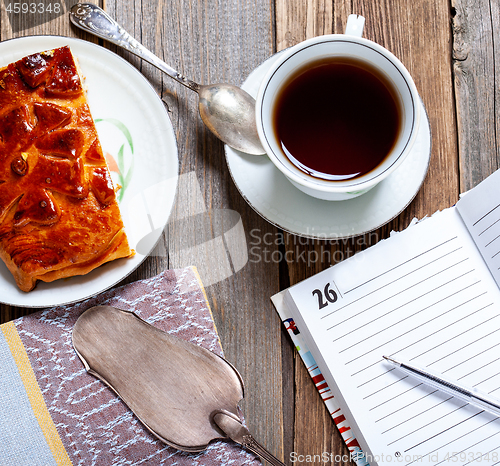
pixel 52 412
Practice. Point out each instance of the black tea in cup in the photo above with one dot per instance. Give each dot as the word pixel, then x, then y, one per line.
pixel 337 118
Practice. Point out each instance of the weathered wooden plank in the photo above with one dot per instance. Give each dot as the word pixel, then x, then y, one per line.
pixel 218 42
pixel 314 431
pixel 419 34
pixel 296 21
pixel 18 19
pixel 5 27
pixel 476 34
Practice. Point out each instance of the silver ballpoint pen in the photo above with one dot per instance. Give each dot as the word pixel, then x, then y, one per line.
pixel 451 387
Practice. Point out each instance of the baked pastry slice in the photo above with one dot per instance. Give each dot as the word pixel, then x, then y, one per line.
pixel 58 211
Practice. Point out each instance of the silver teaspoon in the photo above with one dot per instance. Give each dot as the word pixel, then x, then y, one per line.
pixel 184 394
pixel 228 111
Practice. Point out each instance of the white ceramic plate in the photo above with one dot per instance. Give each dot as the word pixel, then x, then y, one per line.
pixel 119 97
pixel 270 193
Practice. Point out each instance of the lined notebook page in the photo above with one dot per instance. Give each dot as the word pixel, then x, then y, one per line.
pixel 480 210
pixel 426 296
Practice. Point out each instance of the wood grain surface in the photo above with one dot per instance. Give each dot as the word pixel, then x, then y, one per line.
pixel 476 33
pixel 448 47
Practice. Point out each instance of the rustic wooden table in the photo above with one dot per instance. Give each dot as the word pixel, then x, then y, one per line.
pixel 449 48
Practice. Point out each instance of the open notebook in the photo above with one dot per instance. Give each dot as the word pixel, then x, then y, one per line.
pixel 430 295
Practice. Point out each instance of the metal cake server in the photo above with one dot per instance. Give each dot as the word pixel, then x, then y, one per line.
pixel 185 395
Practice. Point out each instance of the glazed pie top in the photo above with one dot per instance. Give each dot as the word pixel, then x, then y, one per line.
pixel 58 211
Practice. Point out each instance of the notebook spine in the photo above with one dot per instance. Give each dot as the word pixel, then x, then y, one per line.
pixel 327 396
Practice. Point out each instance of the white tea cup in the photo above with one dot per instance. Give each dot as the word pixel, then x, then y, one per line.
pixel 307 54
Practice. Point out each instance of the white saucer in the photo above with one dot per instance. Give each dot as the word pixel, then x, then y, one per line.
pixel 271 195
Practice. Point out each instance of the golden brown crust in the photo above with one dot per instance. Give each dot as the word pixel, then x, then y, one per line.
pixel 58 211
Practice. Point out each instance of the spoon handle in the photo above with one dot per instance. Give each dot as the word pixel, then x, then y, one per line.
pixel 96 21
pixel 236 431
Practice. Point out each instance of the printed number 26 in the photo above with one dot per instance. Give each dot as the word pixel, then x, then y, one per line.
pixel 328 296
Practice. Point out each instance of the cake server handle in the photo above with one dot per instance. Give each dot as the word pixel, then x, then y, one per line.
pixel 236 431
